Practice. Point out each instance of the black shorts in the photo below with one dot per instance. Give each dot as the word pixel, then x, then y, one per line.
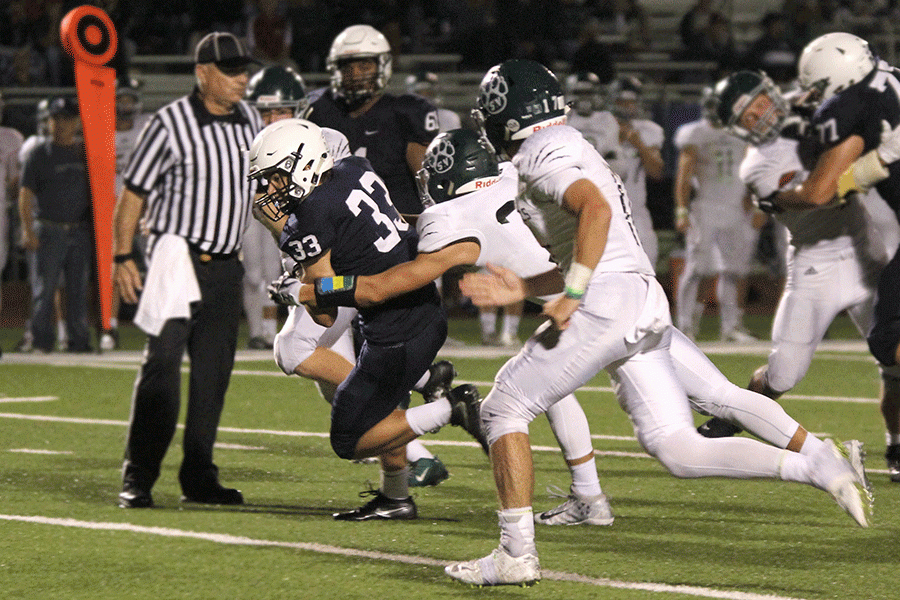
pixel 379 383
pixel 884 336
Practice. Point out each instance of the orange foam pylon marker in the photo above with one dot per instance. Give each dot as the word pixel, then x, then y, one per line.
pixel 88 34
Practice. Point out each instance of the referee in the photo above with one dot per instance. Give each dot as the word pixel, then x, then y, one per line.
pixel 188 169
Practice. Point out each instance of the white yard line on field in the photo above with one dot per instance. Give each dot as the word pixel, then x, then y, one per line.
pixel 233 540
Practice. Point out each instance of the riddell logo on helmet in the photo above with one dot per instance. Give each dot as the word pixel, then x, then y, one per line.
pixel 545 125
pixel 485 183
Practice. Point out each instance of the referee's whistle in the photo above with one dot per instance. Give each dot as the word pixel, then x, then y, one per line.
pixel 89 36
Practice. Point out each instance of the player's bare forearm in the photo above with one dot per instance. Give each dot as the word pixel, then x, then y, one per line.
pixel 412 275
pixel 127 214
pixel 585 200
pixel 821 187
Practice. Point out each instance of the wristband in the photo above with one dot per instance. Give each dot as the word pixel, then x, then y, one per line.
pixel 681 212
pixel 577 279
pixel 120 258
pixel 336 291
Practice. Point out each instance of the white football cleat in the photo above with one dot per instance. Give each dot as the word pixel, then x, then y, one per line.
pixel 497 568
pixel 576 511
pixel 834 474
pixel 855 454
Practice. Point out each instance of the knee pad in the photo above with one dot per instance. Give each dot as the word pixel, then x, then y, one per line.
pixel 502 413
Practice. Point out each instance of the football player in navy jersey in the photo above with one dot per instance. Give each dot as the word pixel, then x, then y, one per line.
pixel 335 219
pixel 391 131
pixel 857 119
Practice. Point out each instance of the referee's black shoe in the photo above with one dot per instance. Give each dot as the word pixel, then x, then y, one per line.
pixel 718 428
pixel 380 508
pixel 214 494
pixel 133 496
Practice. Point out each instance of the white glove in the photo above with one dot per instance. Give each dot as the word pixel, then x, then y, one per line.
pixel 289 265
pixel 889 149
pixel 284 290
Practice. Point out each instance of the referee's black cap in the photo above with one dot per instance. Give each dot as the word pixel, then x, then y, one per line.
pixel 224 49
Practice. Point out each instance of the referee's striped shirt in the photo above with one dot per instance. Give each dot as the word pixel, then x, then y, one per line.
pixel 192 168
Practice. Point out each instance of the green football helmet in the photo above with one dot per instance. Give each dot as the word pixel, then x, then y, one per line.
pixel 732 96
pixel 456 162
pixel 277 87
pixel 517 98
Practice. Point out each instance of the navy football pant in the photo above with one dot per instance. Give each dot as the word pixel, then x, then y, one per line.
pixel 380 382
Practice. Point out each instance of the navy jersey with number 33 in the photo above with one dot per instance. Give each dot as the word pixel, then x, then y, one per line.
pixel 860 110
pixel 351 215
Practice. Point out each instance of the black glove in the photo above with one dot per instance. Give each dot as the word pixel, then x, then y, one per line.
pixel 768 204
pixel 284 290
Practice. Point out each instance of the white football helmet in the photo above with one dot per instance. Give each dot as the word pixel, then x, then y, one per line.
pixel 355 42
pixel 832 63
pixel 296 149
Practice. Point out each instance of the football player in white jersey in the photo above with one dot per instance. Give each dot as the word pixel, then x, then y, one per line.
pixel 10 144
pixel 130 121
pixel 835 254
pixel 631 144
pixel 613 315
pixel 714 211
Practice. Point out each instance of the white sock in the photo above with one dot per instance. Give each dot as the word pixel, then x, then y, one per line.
pixel 113 322
pixel 61 333
pixel 416 450
pixel 517 531
pixel 269 328
pixel 794 467
pixel 585 483
pixel 395 484
pixel 511 325
pixel 422 381
pixel 892 439
pixel 810 445
pixel 488 319
pixel 429 417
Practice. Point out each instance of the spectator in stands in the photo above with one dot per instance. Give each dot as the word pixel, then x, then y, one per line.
pixel 774 52
pixel 715 43
pixel 695 24
pixel 628 19
pixel 592 55
pixel 269 34
pixel 313 26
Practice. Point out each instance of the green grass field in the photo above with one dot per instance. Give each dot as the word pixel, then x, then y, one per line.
pixel 62 428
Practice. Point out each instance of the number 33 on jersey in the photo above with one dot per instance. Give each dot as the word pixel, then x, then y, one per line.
pixel 354 218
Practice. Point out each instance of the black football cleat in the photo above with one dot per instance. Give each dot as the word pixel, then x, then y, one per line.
pixel 718 428
pixel 892 456
pixel 465 412
pixel 133 496
pixel 440 379
pixel 380 508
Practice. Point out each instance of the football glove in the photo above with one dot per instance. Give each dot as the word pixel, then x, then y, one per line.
pixel 889 148
pixel 768 204
pixel 284 290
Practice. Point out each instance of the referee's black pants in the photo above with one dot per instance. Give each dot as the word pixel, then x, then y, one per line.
pixel 210 337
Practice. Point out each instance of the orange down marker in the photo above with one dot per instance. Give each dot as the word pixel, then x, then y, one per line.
pixel 89 36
